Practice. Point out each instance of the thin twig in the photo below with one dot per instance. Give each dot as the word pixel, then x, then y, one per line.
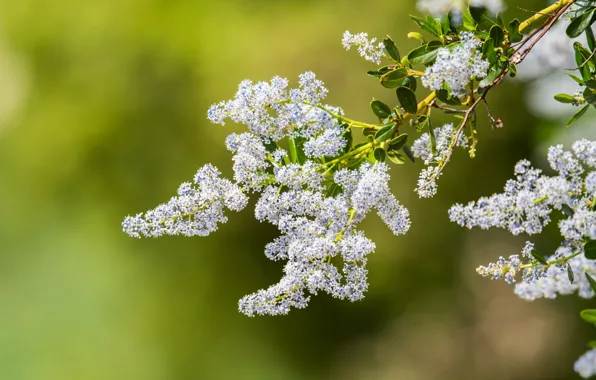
pixel 585 62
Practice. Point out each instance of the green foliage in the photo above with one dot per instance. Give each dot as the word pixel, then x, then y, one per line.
pixel 391 49
pixel 393 78
pixel 576 117
pixel 407 99
pixel 579 24
pixel 588 315
pixel 380 109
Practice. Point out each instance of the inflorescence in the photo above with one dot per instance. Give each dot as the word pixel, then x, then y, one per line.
pixel 456 66
pixel 527 206
pixel 317 210
pixel 434 150
pixel 369 49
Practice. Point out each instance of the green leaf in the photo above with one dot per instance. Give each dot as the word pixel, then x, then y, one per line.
pixel 514 34
pixel 512 70
pixel 296 148
pixel 381 71
pixel 271 146
pixel 564 98
pixel 590 250
pixel 393 78
pixel 395 157
pixel 579 114
pixel 493 73
pixel 538 256
pixel 409 153
pixel 333 190
pixel 592 282
pixel 590 38
pixel 417 36
pixel 391 49
pixel 588 315
pixel 407 99
pixel 369 131
pixel 591 84
pixel 384 133
pixel 433 139
pixel 410 82
pixel 445 24
pixel 380 155
pixel 578 80
pixel 567 210
pixel 592 344
pixel 570 274
pixel 398 142
pixel 488 50
pixel 589 96
pixel 580 23
pixel 424 54
pixel 497 34
pixel 468 21
pixel 380 109
pixel 349 137
pixel 429 24
pixel 443 96
pixel 581 56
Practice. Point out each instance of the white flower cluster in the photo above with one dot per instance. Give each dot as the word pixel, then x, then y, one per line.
pixel 438 8
pixel 370 50
pixel 526 206
pixel 456 66
pixel 586 364
pixel 196 210
pixel 422 148
pixel 318 232
pixel 324 250
pixel 271 112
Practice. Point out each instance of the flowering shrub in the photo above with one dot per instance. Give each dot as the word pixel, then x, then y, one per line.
pixel 316 179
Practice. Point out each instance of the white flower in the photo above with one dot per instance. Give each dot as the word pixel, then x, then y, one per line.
pixel 370 50
pixel 456 66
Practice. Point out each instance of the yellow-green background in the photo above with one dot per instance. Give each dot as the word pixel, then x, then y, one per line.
pixel 102 114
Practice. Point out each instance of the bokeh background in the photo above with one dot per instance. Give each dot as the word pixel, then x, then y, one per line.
pixel 103 114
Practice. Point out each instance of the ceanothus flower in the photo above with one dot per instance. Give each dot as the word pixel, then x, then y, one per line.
pixel 316 229
pixel 586 364
pixel 526 206
pixel 456 66
pixel 422 148
pixel 319 241
pixel 370 50
pixel 272 111
pixel 196 211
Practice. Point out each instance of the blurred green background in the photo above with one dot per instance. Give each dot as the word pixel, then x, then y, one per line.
pixel 103 114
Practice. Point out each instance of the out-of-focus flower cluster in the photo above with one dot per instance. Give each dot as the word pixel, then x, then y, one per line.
pixel 438 8
pixel 526 206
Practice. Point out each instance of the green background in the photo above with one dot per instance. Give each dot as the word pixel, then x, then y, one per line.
pixel 103 114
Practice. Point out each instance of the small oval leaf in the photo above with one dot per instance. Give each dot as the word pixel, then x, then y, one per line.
pixel 407 99
pixel 398 142
pixel 384 133
pixel 580 23
pixel 391 49
pixel 590 250
pixel 393 78
pixel 380 109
